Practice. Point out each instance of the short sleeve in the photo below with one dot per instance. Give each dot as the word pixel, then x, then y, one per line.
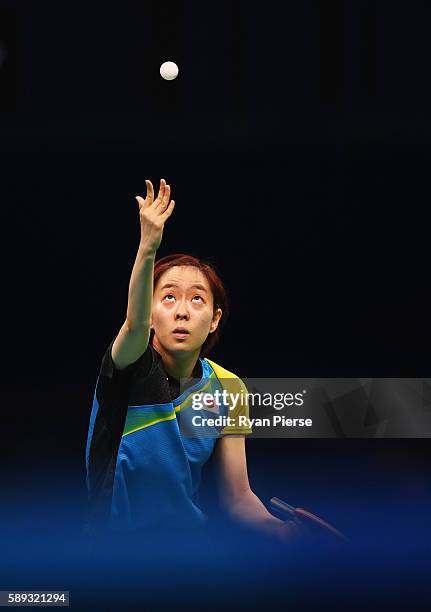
pixel 239 415
pixel 113 385
pixel 111 373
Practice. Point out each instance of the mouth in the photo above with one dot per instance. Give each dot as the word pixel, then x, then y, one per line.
pixel 181 332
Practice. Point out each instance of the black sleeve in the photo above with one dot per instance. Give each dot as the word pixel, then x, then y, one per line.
pixel 112 392
pixel 113 386
pixel 109 372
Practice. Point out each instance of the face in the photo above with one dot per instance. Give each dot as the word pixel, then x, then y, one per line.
pixel 183 310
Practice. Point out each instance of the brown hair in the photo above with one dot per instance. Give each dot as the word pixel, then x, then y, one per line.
pixel 218 290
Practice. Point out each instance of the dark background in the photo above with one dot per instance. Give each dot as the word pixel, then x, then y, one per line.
pixel 296 141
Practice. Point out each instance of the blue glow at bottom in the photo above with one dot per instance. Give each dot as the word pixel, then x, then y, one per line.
pixel 220 567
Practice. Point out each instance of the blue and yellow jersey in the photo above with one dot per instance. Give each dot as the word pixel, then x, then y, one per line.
pixel 148 441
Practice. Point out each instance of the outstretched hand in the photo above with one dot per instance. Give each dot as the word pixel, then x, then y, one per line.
pixel 153 214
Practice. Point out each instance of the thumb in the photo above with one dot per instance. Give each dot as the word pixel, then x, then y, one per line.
pixel 140 201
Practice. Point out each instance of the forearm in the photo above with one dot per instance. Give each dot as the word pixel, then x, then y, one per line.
pixel 250 511
pixel 140 298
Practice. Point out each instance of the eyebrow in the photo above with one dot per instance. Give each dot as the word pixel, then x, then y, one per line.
pixel 197 286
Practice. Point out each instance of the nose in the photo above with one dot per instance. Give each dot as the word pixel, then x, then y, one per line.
pixel 181 312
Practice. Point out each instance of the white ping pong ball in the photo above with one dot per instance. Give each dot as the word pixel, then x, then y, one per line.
pixel 169 71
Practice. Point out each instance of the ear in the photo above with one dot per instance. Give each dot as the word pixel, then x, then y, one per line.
pixel 216 319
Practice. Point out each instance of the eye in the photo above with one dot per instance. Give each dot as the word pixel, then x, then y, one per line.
pixel 169 295
pixel 198 296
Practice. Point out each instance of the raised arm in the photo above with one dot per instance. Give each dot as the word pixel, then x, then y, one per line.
pixel 133 337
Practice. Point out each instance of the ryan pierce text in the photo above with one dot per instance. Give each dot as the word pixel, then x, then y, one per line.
pixel 244 421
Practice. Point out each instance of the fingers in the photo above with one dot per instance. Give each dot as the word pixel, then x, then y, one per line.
pixel 293 531
pixel 161 192
pixel 289 531
pixel 140 201
pixel 150 192
pixel 162 204
pixel 168 211
pixel 144 203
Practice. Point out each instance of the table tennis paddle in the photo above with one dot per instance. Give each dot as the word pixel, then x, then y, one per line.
pixel 307 518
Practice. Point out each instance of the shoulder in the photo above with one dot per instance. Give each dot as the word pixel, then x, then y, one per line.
pixel 223 374
pixel 219 370
pixel 238 400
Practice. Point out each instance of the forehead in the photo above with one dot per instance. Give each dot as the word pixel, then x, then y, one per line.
pixel 184 276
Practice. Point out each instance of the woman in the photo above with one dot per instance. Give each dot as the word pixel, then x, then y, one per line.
pixel 143 468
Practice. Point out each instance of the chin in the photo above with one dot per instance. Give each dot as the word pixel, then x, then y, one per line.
pixel 183 347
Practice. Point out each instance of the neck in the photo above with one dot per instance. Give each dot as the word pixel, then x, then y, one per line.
pixel 178 365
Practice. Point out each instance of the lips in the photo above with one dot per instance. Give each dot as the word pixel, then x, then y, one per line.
pixel 181 330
